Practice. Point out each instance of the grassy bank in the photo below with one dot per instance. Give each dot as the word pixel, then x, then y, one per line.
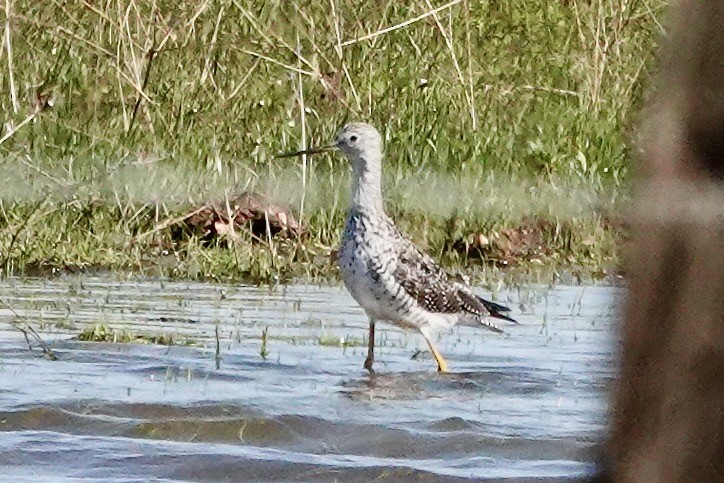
pixel 498 118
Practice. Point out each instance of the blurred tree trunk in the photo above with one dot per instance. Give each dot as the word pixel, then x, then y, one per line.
pixel 667 422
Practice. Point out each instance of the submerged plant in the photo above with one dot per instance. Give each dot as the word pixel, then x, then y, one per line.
pixel 263 351
pixel 101 332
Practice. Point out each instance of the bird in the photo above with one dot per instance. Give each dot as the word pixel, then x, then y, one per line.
pixel 385 273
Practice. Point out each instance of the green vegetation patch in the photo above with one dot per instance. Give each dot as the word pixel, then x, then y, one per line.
pixel 103 333
pixel 505 122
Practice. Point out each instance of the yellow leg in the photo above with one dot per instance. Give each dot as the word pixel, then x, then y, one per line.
pixel 441 364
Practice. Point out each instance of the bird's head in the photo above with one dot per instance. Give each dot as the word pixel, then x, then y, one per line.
pixel 360 142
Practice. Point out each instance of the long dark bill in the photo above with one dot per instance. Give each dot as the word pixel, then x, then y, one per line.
pixel 306 151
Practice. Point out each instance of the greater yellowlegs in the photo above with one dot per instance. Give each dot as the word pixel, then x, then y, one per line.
pixel 388 276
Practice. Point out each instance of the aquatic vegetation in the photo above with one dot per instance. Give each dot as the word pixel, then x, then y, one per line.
pixel 337 341
pixel 101 332
pixel 263 350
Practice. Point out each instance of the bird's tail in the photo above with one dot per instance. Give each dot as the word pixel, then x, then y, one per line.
pixel 496 309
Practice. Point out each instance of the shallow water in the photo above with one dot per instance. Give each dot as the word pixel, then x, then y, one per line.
pixel 524 405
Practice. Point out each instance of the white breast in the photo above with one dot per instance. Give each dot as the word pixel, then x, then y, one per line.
pixel 367 261
pixel 353 266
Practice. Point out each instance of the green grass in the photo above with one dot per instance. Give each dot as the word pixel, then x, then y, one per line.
pixel 494 114
pixel 101 332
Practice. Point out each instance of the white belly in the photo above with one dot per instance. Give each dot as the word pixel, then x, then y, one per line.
pixel 367 288
pixel 353 266
pixel 367 265
pixel 372 293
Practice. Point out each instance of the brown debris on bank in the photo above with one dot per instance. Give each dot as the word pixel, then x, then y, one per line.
pixel 250 212
pixel 529 242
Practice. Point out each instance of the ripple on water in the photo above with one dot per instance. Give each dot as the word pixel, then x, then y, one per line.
pixel 527 405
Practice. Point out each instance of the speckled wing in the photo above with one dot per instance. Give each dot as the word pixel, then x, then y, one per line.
pixel 424 281
pixel 431 288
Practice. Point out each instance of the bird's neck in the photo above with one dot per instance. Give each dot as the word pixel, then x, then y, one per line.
pixel 367 188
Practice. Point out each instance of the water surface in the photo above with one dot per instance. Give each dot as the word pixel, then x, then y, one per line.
pixel 528 404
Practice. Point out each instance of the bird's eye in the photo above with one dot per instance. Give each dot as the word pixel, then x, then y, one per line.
pixel 353 139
